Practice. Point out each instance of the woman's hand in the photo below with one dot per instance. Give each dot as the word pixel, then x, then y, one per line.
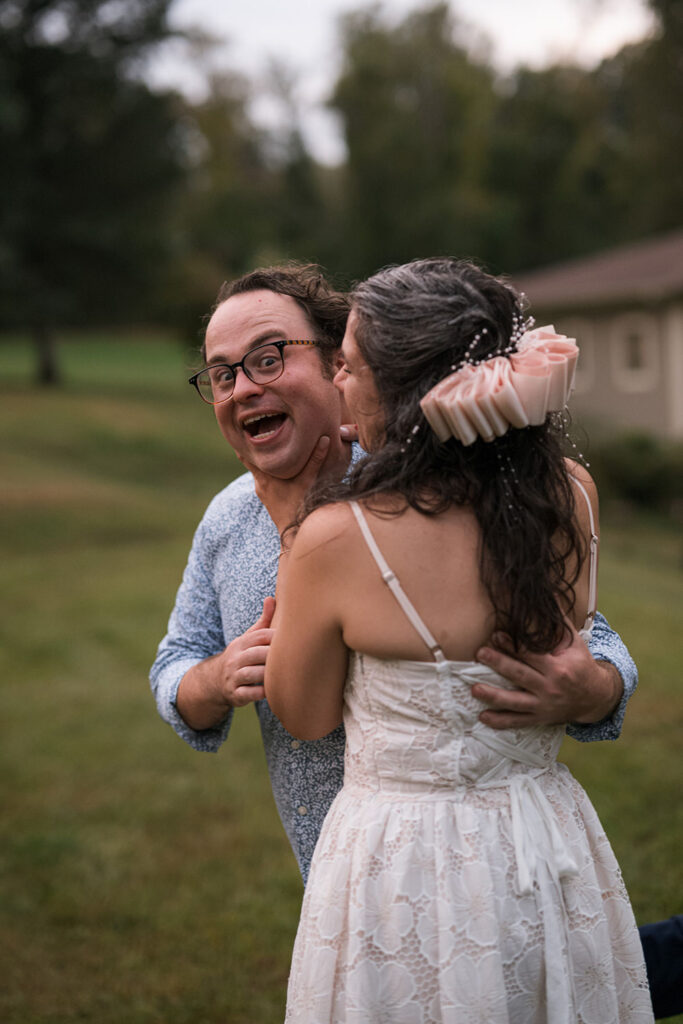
pixel 349 432
pixel 283 498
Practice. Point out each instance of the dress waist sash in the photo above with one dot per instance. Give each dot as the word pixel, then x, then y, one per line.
pixel 537 838
pixel 543 860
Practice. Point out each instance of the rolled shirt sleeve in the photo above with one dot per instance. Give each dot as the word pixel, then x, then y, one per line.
pixel 606 645
pixel 231 568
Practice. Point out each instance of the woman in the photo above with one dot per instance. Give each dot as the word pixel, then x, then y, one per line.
pixel 461 874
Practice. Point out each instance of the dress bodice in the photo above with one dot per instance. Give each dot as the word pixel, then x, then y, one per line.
pixel 413 726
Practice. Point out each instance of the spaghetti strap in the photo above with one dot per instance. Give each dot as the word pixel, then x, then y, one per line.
pixel 391 581
pixel 593 557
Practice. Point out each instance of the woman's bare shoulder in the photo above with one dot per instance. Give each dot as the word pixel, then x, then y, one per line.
pixel 323 531
pixel 581 474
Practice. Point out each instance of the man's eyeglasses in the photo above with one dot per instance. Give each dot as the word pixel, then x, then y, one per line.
pixel 262 365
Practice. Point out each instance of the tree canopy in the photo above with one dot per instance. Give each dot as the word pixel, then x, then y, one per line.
pixel 91 158
pixel 121 202
pixel 417 111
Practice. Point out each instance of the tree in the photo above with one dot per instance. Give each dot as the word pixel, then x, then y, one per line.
pixel 303 219
pixel 254 195
pixel 91 159
pixel 416 110
pixel 225 218
pixel 444 156
pixel 556 166
pixel 584 159
pixel 651 117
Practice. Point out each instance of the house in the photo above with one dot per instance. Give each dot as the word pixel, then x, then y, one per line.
pixel 625 309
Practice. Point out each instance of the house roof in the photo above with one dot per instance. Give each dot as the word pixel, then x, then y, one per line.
pixel 648 271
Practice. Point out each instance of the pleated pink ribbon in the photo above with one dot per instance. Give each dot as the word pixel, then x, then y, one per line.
pixel 487 399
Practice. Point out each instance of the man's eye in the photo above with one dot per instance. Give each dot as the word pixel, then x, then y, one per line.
pixel 266 360
pixel 221 375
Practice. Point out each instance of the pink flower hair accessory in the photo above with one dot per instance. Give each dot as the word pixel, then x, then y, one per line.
pixel 519 391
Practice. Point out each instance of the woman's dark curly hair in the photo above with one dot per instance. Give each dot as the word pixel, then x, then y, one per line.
pixel 413 324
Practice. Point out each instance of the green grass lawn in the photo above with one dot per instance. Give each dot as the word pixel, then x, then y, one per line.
pixel 141 882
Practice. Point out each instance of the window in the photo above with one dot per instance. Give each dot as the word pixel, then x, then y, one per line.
pixel 635 359
pixel 634 352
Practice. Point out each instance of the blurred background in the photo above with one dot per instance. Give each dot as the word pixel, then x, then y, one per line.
pixel 150 149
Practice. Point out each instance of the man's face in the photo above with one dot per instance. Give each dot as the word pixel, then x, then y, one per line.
pixel 275 426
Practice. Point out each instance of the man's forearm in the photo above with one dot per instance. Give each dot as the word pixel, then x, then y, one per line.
pixel 199 701
pixel 607 691
pixel 608 648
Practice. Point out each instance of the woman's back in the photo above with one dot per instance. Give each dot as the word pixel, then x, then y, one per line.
pixel 437 560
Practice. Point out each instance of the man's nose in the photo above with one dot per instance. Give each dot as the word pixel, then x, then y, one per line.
pixel 338 379
pixel 244 387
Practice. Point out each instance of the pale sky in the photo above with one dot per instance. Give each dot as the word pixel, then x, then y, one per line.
pixel 303 34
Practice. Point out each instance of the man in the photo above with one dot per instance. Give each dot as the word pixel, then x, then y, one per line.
pixel 272 349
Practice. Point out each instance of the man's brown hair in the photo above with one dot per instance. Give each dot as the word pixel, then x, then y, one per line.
pixel 326 308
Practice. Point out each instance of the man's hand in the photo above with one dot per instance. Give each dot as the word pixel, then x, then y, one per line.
pixel 567 685
pixel 230 679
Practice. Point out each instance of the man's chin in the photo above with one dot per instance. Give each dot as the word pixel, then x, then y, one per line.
pixel 279 469
pixel 282 474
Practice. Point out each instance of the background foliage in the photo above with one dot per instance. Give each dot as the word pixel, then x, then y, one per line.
pixel 122 204
pixel 91 161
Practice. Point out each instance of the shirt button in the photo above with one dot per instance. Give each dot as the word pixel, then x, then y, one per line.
pixel 302 809
pixel 295 744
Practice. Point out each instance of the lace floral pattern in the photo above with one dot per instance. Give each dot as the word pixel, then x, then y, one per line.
pixel 461 875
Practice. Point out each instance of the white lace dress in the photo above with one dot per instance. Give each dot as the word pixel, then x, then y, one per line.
pixel 462 874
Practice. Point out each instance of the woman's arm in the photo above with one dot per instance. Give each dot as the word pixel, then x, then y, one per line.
pixel 307 662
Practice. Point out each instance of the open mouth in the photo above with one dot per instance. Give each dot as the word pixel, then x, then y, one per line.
pixel 263 426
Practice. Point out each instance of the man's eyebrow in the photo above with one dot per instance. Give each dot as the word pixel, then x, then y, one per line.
pixel 262 339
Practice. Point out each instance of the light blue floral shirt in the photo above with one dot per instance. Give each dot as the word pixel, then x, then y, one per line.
pixel 231 569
